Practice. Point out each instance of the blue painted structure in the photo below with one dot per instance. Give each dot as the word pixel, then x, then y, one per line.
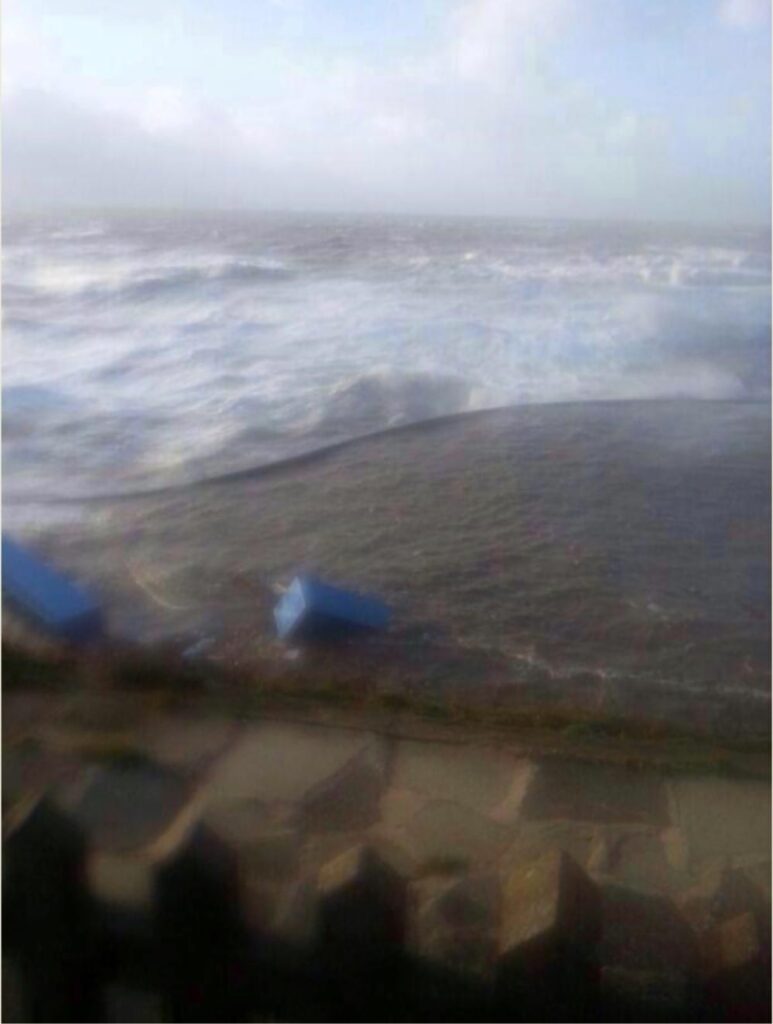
pixel 311 609
pixel 48 598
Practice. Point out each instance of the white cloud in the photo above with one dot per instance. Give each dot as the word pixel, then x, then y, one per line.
pixel 744 14
pixel 166 109
pixel 493 37
pixel 481 121
pixel 26 55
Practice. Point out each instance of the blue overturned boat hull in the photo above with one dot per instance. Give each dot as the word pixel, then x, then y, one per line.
pixel 311 609
pixel 47 598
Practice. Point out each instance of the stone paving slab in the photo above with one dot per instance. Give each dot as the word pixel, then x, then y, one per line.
pixel 478 777
pixel 278 763
pixel 288 809
pixel 722 818
pixel 445 831
pixel 189 744
pixel 398 806
pixel 288 799
pixel 598 793
pixel 348 799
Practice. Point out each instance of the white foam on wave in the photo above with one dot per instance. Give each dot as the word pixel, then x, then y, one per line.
pixel 111 273
pixel 387 398
pixel 284 335
pixel 78 233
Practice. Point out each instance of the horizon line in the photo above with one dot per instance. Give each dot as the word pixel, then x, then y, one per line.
pixel 28 210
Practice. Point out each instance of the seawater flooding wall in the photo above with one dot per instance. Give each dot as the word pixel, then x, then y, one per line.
pixel 614 556
pixel 302 874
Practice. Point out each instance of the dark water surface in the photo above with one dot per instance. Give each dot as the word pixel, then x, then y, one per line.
pixel 612 554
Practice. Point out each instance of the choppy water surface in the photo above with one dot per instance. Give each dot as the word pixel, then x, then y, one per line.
pixel 614 552
pixel 148 349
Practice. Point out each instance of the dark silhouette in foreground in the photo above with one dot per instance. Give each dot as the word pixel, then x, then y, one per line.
pixel 195 951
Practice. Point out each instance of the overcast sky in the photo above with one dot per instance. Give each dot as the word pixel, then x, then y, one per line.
pixel 586 108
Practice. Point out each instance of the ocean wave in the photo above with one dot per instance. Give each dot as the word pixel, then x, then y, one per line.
pixel 656 270
pixel 282 452
pixel 180 279
pixel 79 233
pixel 24 402
pixel 371 401
pixel 288 333
pixel 129 279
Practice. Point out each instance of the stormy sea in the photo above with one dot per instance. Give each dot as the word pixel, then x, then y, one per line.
pixel 546 444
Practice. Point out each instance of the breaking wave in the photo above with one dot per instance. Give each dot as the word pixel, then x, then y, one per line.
pixel 374 401
pixel 222 343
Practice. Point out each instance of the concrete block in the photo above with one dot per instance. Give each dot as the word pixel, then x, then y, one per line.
pixel 549 933
pixel 363 909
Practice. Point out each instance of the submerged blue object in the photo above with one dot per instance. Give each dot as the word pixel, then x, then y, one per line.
pixel 310 608
pixel 47 597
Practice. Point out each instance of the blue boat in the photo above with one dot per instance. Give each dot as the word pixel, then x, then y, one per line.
pixel 48 598
pixel 311 609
